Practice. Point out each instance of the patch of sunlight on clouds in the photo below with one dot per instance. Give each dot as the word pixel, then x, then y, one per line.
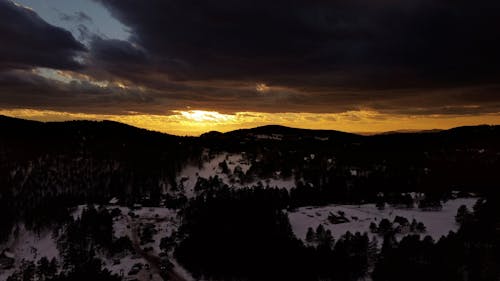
pixel 262 88
pixel 70 76
pixel 205 116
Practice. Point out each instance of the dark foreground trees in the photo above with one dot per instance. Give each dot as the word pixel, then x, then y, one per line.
pixel 472 253
pixel 246 235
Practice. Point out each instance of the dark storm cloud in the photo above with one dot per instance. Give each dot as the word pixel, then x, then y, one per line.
pixel 30 90
pixel 28 41
pixel 112 59
pixel 415 57
pixel 431 41
pixel 116 51
pixel 394 56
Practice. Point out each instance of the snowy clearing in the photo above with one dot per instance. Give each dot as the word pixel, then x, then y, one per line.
pixel 29 246
pixel 438 223
pixel 189 175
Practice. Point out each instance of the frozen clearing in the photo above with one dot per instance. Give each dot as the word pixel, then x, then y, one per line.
pixel 438 223
pixel 164 220
pixel 29 246
pixel 210 168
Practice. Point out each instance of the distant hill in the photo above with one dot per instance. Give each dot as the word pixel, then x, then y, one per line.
pixel 230 192
pixel 465 156
pixel 17 125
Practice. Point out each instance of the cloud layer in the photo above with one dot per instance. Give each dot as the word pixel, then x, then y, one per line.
pixel 29 41
pixel 418 57
pixel 424 41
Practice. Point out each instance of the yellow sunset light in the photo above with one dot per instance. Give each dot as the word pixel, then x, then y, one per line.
pixel 262 88
pixel 196 122
pixel 205 116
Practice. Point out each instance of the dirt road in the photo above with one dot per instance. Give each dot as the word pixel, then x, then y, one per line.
pixel 153 260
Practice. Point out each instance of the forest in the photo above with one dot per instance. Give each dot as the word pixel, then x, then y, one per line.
pixel 227 233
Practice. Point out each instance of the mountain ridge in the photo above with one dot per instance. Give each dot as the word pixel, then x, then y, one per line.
pixel 265 129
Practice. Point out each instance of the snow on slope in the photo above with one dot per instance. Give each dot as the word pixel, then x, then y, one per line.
pixel 210 168
pixel 165 221
pixel 29 246
pixel 438 223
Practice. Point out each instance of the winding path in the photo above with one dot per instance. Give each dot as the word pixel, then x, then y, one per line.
pixel 153 260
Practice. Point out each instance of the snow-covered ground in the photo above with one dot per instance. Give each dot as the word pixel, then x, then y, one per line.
pixel 438 223
pixel 29 246
pixel 210 168
pixel 164 220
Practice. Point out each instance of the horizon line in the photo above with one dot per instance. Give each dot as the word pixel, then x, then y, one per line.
pixel 400 131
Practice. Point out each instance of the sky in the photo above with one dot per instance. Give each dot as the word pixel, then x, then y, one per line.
pixel 187 67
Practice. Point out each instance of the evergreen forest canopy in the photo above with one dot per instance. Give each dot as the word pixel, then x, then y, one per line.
pixel 46 169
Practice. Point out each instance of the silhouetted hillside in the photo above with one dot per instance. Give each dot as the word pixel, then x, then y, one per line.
pixel 90 160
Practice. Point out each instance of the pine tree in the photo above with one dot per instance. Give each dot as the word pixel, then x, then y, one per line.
pixel 320 232
pixel 310 236
pixel 420 227
pixel 384 227
pixel 327 240
pixel 462 214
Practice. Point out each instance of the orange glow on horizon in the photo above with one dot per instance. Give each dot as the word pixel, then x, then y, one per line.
pixel 202 116
pixel 196 122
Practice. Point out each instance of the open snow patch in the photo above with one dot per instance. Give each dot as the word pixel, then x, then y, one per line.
pixel 438 223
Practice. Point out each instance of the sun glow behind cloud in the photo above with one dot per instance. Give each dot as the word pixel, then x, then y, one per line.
pixel 196 122
pixel 205 116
